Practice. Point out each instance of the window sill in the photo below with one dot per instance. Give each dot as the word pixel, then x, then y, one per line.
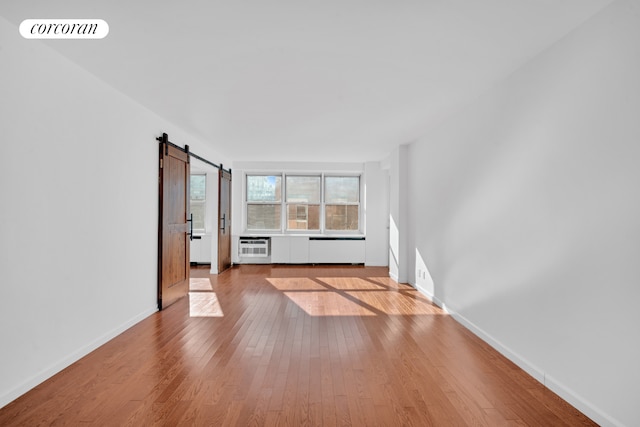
pixel 325 236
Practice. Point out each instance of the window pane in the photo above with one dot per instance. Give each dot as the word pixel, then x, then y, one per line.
pixel 341 189
pixel 303 217
pixel 341 217
pixel 264 188
pixel 263 217
pixel 303 189
pixel 198 187
pixel 197 210
pixel 197 190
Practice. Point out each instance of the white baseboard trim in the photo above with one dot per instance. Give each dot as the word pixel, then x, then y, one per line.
pixel 427 294
pixel 516 358
pixel 393 276
pixel 581 404
pixel 558 388
pixel 47 373
pixel 375 264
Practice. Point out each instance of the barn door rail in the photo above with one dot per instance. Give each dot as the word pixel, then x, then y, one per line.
pixel 165 139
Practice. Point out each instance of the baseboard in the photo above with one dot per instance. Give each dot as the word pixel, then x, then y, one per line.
pixel 516 358
pixel 427 294
pixel 47 373
pixel 393 276
pixel 581 404
pixel 557 387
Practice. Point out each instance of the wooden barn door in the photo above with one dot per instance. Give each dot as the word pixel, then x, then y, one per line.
pixel 224 224
pixel 174 226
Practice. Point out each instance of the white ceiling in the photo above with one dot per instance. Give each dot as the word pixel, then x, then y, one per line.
pixel 308 80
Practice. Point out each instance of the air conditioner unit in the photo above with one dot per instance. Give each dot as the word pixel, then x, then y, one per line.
pixel 254 247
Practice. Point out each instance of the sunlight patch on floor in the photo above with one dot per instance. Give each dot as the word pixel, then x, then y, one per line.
pixel 200 284
pixel 327 304
pixel 354 296
pixel 350 283
pixel 295 284
pixel 395 303
pixel 204 304
pixel 389 283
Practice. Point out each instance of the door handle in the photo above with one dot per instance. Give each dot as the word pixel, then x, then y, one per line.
pixel 190 233
pixel 224 222
pixel 190 221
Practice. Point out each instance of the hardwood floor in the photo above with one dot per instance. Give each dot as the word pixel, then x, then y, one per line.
pixel 294 346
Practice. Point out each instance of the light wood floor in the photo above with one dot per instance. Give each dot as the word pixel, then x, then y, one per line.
pixel 294 346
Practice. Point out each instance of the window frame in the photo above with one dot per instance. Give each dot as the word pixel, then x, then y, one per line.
pixel 263 203
pixel 286 228
pixel 283 229
pixel 358 203
pixel 203 202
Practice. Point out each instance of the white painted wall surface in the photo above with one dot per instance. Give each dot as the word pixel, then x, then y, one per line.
pixel 398 215
pixel 525 209
pixel 79 211
pixel 376 214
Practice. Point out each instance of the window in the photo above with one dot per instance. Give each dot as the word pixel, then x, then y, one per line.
pixel 197 190
pixel 342 202
pixel 315 203
pixel 303 202
pixel 264 202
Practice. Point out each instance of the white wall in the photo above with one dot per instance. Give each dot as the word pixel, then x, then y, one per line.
pixel 79 211
pixel 398 215
pixel 525 210
pixel 376 214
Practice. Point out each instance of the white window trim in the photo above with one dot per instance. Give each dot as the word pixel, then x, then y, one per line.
pixel 359 204
pixel 204 202
pixel 285 206
pixel 246 203
pixel 283 202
